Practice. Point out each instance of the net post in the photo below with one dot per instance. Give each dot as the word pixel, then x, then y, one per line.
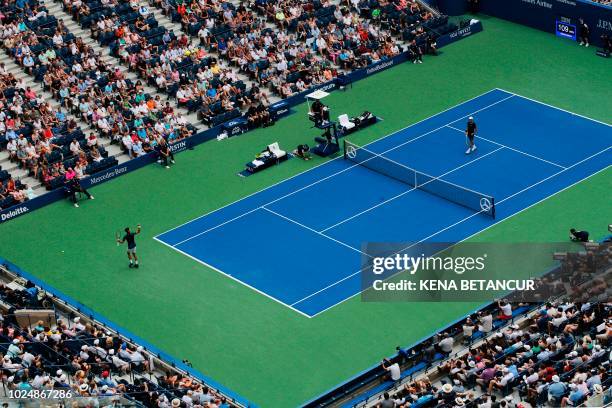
pixel 493 207
pixel 344 148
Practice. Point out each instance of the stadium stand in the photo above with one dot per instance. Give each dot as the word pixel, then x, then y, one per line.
pixel 85 85
pixel 46 344
pixel 40 138
pixel 244 52
pixel 223 60
pixel 507 354
pixel 170 62
pixel 290 46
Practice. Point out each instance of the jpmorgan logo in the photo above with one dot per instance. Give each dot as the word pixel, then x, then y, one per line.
pixel 604 25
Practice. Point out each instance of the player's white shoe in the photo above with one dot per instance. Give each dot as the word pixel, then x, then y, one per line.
pixel 473 147
pixel 76 205
pixel 468 150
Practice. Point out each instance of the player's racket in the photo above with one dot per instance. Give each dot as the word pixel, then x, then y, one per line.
pixel 117 236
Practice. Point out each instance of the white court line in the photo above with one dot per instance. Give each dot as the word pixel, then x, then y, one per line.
pixel 556 107
pixel 315 231
pixel 555 174
pixel 337 158
pixel 375 141
pixel 334 174
pixel 233 278
pixel 476 233
pixel 216 226
pixel 469 217
pixel 510 148
pixel 443 126
pixel 406 192
pixel 369 209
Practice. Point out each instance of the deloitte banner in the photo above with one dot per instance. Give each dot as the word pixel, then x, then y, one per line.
pixel 547 14
pixel 93 180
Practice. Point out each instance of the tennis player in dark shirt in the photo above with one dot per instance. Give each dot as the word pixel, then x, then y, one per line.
pixel 165 154
pixel 73 187
pixel 584 33
pixel 579 236
pixel 130 238
pixel 470 132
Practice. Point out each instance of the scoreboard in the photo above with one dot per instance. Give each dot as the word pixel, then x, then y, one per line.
pixel 565 29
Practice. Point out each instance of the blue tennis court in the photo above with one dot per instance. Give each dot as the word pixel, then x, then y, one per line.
pixel 300 242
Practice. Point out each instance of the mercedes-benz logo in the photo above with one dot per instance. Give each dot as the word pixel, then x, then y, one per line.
pixel 485 204
pixel 351 152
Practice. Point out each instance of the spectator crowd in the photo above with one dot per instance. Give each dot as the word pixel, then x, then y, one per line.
pixel 90 365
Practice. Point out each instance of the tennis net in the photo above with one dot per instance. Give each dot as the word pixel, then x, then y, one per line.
pixel 471 199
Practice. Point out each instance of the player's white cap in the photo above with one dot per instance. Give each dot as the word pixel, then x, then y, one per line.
pixel 471 118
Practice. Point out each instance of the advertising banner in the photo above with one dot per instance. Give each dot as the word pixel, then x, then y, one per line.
pixel 554 16
pixel 234 127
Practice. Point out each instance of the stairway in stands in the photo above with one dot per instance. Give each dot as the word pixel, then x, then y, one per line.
pixel 21 174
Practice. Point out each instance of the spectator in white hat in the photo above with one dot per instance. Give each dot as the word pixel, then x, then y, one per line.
pixel 557 389
pixel 84 353
pixel 78 326
pixel 14 350
pixel 188 399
